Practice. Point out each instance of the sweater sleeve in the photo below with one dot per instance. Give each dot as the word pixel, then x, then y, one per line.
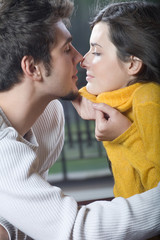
pixel 147 120
pixel 135 155
pixel 125 215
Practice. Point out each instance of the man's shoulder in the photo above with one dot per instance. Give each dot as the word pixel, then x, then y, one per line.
pixel 4 124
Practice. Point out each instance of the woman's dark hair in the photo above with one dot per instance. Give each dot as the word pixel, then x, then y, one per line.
pixel 134 29
pixel 27 28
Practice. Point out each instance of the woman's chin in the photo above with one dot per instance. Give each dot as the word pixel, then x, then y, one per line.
pixel 90 89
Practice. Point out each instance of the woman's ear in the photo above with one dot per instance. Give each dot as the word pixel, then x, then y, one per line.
pixel 31 69
pixel 134 66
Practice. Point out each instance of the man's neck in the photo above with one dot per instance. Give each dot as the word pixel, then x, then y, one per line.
pixel 22 108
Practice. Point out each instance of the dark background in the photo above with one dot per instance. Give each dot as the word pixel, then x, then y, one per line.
pixel 84 12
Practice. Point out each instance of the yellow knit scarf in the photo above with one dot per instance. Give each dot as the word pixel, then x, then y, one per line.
pixel 120 99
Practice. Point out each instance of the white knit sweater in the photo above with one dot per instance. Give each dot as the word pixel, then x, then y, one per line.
pixel 42 211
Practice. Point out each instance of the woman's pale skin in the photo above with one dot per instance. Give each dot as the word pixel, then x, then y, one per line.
pixel 105 72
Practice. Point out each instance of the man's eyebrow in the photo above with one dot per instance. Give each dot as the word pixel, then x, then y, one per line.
pixel 95 44
pixel 68 41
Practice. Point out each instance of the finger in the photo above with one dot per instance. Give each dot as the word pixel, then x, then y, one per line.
pixel 100 124
pixel 99 116
pixel 104 108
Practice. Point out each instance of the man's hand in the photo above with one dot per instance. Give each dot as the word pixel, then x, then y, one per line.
pixel 3 234
pixel 110 123
pixel 84 108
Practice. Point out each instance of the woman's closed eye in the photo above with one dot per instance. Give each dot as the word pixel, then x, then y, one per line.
pixel 96 53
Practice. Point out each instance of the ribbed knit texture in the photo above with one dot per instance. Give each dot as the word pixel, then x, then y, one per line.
pixel 135 155
pixel 42 211
pixel 9 228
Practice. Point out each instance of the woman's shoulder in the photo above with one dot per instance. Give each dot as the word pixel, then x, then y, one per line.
pixel 147 92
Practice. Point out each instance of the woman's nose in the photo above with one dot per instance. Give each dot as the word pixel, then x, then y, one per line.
pixel 82 63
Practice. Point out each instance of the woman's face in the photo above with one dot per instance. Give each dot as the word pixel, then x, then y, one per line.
pixel 105 72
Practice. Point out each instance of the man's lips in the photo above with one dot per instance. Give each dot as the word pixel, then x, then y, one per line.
pixel 75 76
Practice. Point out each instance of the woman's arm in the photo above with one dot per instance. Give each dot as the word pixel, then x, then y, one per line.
pixel 84 108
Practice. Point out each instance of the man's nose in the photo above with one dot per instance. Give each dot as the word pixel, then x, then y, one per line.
pixel 77 56
pixel 80 58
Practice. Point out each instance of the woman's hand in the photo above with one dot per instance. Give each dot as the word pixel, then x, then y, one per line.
pixel 84 107
pixel 110 123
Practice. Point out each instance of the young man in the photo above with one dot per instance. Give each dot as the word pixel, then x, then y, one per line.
pixel 38 65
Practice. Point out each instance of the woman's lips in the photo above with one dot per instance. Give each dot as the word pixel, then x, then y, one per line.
pixel 89 77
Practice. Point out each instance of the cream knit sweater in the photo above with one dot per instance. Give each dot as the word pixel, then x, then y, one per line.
pixel 42 211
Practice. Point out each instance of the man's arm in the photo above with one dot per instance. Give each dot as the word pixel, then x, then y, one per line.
pixel 100 219
pixel 44 212
pixel 121 218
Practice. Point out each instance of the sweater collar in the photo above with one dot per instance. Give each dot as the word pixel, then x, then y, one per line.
pixel 29 137
pixel 120 99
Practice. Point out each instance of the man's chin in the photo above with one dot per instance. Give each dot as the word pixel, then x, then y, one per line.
pixel 71 96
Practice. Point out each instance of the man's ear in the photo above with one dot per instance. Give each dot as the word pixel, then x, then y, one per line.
pixel 134 65
pixel 31 69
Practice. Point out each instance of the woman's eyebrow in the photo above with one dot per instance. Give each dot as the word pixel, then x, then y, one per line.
pixel 95 44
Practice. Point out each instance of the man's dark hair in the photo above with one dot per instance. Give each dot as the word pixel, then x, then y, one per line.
pixel 27 29
pixel 134 29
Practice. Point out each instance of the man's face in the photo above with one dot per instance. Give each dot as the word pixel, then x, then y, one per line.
pixel 61 83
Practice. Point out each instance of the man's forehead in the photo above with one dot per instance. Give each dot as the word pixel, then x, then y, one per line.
pixel 63 36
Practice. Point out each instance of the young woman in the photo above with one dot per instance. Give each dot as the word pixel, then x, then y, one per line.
pixel 123 71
